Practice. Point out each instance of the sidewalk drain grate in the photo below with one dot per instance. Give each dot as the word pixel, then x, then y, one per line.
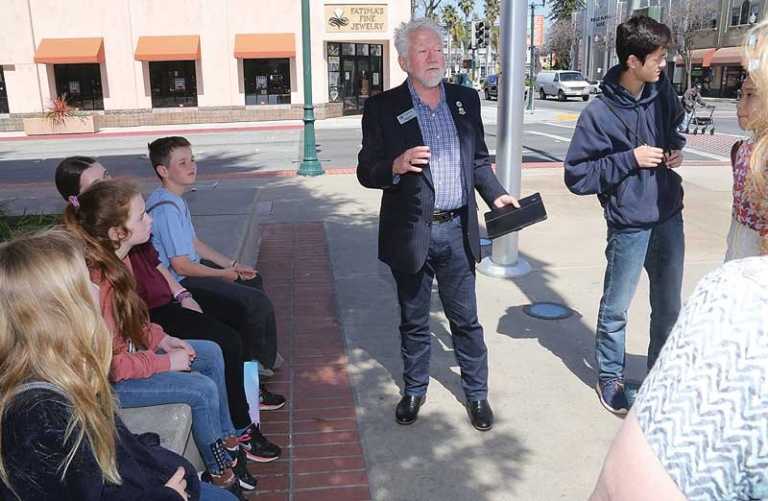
pixel 547 311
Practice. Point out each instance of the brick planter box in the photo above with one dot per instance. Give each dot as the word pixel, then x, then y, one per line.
pixel 72 125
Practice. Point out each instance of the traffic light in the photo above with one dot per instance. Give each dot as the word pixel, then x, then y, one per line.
pixel 481 35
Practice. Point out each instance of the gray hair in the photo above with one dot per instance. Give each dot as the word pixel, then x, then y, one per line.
pixel 403 33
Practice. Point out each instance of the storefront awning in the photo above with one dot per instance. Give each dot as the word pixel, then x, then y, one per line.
pixel 168 48
pixel 70 51
pixel 699 56
pixel 265 45
pixel 728 55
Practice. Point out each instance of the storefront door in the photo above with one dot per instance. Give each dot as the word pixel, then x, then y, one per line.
pixel 355 72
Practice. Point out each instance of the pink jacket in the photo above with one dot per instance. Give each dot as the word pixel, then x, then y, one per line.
pixel 127 364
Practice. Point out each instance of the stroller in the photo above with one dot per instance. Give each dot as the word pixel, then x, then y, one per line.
pixel 700 120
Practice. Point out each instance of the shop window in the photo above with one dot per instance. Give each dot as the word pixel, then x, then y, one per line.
pixel 3 93
pixel 80 85
pixel 267 81
pixel 744 12
pixel 173 84
pixel 355 72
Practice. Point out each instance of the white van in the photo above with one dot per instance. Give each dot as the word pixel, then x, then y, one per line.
pixel 563 84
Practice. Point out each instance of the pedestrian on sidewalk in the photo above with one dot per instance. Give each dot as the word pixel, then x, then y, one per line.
pixel 424 147
pixel 624 150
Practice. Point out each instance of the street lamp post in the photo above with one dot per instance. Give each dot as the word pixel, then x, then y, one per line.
pixel 504 260
pixel 310 165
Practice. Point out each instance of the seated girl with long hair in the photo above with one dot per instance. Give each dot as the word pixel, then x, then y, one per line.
pixel 150 367
pixel 174 309
pixel 61 438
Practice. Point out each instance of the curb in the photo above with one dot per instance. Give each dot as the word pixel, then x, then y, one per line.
pixel 152 132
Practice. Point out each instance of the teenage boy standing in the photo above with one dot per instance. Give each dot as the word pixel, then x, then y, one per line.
pixel 623 150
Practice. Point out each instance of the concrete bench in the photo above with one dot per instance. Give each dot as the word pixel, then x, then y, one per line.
pixel 173 422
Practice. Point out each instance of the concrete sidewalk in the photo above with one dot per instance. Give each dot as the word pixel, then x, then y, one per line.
pixel 551 434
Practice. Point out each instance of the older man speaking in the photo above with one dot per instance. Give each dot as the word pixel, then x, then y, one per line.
pixel 424 146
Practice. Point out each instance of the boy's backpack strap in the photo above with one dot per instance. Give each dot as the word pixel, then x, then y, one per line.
pixel 163 202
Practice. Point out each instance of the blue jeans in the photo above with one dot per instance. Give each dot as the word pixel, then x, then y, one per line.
pixel 202 389
pixel 209 492
pixel 661 250
pixel 450 260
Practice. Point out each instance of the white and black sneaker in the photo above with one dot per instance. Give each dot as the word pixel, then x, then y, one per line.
pixel 257 448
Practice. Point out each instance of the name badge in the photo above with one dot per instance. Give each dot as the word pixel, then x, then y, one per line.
pixel 406 116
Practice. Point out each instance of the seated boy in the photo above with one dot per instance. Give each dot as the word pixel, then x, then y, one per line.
pixel 205 272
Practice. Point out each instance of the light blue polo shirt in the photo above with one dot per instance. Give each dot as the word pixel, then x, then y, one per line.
pixel 172 231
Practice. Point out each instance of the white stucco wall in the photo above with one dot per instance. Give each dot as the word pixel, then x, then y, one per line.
pixel 125 81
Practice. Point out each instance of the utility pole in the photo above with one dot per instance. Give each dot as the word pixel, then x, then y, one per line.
pixel 504 261
pixel 532 69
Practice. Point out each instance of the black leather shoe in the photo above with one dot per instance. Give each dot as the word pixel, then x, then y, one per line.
pixel 408 409
pixel 480 414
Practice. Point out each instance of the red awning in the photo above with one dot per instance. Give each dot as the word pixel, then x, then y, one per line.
pixel 265 45
pixel 168 48
pixel 729 55
pixel 70 51
pixel 699 56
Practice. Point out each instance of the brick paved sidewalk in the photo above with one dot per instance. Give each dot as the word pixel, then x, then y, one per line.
pixel 322 454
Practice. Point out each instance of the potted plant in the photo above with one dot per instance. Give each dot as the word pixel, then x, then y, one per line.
pixel 60 118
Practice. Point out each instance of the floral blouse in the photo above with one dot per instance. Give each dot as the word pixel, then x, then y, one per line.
pixel 743 210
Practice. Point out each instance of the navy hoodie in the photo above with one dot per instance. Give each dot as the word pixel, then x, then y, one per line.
pixel 600 159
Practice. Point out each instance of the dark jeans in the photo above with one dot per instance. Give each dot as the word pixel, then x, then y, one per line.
pixel 187 324
pixel 244 306
pixel 449 260
pixel 661 251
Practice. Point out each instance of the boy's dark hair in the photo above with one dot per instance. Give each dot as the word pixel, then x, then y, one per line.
pixel 68 175
pixel 160 150
pixel 639 36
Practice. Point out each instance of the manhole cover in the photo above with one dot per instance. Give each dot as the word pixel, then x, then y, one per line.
pixel 547 311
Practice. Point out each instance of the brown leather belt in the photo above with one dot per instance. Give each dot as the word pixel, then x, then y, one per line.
pixel 446 215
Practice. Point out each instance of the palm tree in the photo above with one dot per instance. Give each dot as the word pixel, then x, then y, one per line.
pixel 492 11
pixel 454 28
pixel 467 6
pixel 563 9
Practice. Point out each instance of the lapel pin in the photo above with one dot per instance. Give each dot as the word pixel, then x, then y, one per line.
pixel 460 108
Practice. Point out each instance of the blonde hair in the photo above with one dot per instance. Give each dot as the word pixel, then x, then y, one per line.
pixel 51 331
pixel 756 50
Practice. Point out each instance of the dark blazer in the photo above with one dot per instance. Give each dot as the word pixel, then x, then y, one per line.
pixel 405 218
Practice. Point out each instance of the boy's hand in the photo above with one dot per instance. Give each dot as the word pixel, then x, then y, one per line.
pixel 674 159
pixel 191 304
pixel 229 274
pixel 648 157
pixel 246 272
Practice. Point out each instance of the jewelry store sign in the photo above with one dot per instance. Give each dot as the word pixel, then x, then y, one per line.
pixel 355 18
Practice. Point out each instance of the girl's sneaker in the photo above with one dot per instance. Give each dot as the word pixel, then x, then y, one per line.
pixel 270 401
pixel 257 448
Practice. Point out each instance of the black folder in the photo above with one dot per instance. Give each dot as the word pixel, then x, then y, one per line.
pixel 499 222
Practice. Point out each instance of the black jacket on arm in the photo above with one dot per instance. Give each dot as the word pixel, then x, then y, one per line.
pixel 405 218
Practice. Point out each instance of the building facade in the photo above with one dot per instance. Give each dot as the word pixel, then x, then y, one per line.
pixel 143 62
pixel 716 56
